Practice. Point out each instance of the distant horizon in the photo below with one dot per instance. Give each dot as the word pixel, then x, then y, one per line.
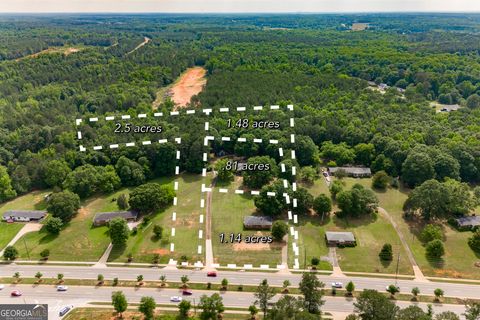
pixel 237 6
pixel 232 13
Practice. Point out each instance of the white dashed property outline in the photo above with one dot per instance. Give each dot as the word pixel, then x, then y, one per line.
pixel 293 232
pixel 79 121
pixel 288 201
pixel 178 141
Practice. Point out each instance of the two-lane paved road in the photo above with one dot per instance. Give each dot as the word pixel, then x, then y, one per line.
pixel 234 277
pixel 81 295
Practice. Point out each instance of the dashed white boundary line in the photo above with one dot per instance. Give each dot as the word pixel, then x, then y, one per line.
pixel 293 202
pixel 79 121
pixel 206 111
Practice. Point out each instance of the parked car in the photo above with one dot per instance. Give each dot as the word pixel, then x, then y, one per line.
pixel 337 285
pixel 187 292
pixel 211 274
pixel 62 288
pixel 16 293
pixel 176 299
pixel 65 310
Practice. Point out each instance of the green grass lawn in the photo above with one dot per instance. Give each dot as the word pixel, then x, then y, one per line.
pixel 30 201
pixel 144 245
pixel 228 210
pixel 7 232
pixel 78 241
pixel 311 235
pixel 459 259
pixel 371 233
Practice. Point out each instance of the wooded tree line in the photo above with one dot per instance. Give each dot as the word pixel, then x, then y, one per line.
pixel 319 69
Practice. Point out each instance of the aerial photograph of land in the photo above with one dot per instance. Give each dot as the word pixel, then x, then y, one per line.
pixel 239 160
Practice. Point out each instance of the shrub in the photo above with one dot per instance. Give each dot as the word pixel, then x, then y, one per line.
pixel 45 253
pixel 435 249
pixel 157 231
pixel 474 241
pixel 380 180
pixel 386 254
pixel 10 253
pixel 122 201
pixel 279 230
pixel 431 232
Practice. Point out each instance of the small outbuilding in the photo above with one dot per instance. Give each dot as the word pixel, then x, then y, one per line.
pixel 356 172
pixel 24 215
pixel 257 222
pixel 341 239
pixel 104 218
pixel 469 222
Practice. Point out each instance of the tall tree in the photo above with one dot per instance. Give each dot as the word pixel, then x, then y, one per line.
pixel 55 173
pixel 312 291
pixel 63 205
pixel 151 197
pixel 417 168
pixel 119 302
pixel 257 178
pixel 147 307
pixel 263 295
pixel 372 305
pixel 118 230
pixel 211 306
pixel 6 189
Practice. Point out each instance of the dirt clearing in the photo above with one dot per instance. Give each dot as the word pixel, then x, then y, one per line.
pixel 190 83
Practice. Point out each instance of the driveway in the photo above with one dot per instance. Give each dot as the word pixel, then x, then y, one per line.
pixel 28 227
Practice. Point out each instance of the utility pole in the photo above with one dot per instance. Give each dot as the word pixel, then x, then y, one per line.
pixel 304 258
pixel 26 248
pixel 396 272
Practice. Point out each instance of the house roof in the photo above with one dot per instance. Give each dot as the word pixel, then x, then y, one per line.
pixel 351 170
pixel 32 214
pixel 257 221
pixel 107 216
pixel 469 221
pixel 340 236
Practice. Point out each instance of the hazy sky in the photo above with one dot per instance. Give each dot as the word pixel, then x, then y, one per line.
pixel 237 5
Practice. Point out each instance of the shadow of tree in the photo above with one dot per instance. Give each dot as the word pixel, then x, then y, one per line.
pixel 117 252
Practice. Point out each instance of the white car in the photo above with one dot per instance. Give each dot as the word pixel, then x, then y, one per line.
pixel 337 285
pixel 176 299
pixel 2 286
pixel 65 310
pixel 62 288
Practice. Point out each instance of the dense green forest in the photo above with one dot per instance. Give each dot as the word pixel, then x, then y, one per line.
pixel 312 61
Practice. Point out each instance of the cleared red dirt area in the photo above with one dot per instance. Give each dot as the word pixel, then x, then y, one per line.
pixel 190 83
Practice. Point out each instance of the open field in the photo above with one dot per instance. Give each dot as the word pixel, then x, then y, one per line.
pixel 78 241
pixel 459 259
pixel 228 210
pixel 371 233
pixel 144 244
